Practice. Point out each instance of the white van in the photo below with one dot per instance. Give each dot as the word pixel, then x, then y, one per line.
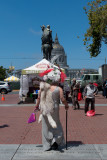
pixel 95 78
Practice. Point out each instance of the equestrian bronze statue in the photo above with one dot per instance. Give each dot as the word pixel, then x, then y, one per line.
pixel 46 42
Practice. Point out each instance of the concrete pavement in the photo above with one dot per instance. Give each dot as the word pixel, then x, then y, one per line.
pixel 34 152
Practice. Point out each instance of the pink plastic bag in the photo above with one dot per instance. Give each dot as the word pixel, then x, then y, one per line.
pixel 90 113
pixel 32 118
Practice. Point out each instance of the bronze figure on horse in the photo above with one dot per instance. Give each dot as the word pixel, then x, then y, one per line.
pixel 46 42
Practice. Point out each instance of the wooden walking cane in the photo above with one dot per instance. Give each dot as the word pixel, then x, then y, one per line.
pixel 66 129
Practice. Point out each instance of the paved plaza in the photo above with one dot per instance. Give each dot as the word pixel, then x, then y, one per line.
pixel 87 136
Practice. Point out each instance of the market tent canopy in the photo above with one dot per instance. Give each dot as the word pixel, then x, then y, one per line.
pixel 12 79
pixel 39 67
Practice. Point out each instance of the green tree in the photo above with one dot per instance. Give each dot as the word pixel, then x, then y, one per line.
pixel 97 31
pixel 2 73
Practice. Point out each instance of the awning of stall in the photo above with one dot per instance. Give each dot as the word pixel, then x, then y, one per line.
pixel 39 67
pixel 12 79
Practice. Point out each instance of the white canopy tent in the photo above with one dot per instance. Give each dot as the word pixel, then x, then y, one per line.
pixel 31 72
pixel 12 79
pixel 39 67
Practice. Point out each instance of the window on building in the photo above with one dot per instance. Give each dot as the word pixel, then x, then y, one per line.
pixel 59 59
pixel 87 77
pixel 62 59
pixel 95 77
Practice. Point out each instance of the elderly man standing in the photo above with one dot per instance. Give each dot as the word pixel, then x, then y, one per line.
pixel 74 93
pixel 89 93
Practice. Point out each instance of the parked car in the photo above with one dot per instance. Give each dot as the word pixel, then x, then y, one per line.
pixel 5 87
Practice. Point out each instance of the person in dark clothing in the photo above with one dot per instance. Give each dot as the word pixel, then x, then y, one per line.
pixel 66 90
pixel 105 88
pixel 89 94
pixel 74 93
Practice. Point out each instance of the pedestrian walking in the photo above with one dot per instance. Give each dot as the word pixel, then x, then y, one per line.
pixel 89 94
pixel 105 88
pixel 74 93
pixel 24 88
pixel 48 101
pixel 67 90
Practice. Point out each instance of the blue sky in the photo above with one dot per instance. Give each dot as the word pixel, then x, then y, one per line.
pixel 20 32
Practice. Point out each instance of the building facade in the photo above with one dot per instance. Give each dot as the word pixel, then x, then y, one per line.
pixel 59 57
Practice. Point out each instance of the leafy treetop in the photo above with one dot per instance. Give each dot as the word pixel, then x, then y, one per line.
pixel 97 32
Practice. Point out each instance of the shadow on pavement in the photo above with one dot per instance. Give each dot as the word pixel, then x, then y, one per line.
pixel 70 144
pixel 80 108
pixel 74 143
pixel 3 126
pixel 99 114
pixel 40 145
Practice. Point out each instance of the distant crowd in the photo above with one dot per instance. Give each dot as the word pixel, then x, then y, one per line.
pixel 73 91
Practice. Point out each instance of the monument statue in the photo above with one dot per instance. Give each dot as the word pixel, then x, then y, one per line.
pixel 46 42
